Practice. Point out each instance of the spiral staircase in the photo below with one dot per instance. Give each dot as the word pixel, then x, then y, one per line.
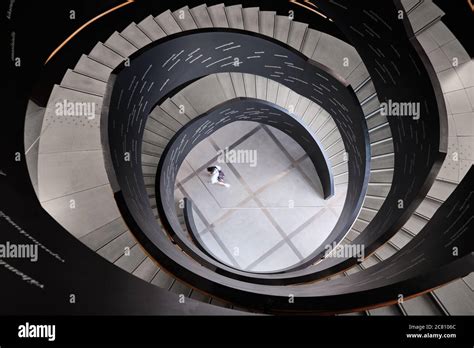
pixel 399 197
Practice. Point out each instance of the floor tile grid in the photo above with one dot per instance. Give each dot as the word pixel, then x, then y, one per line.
pixel 285 237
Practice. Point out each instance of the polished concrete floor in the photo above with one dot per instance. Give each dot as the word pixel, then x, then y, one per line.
pixel 273 215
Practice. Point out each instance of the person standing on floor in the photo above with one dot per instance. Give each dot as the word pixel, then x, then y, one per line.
pixel 217 176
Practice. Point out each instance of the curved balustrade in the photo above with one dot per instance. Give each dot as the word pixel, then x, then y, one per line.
pixel 195 131
pixel 130 103
pixel 400 73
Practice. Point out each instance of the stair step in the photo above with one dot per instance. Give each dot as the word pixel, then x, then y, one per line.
pixel 220 303
pixel 424 15
pixel 184 18
pixel 362 84
pixel 378 189
pixel 373 113
pixel 149 169
pixel 149 181
pixel 428 207
pixel 101 236
pixel 272 91
pixel 381 132
pixel 334 148
pixel 358 77
pixel 369 262
pixel 382 161
pixel 129 262
pixel 365 90
pixel 162 117
pixel 319 118
pixel 456 297
pixel 167 22
pixel 360 225
pixel 238 83
pixel 376 120
pixel 180 101
pixel 146 270
pixel 297 34
pixel 92 68
pixel 353 234
pixel 328 127
pixel 158 128
pixel 282 28
pixel 302 106
pixel 163 280
pixel 340 169
pixel 173 110
pixel 421 305
pixel 83 83
pixel 310 42
pixel 157 134
pixel 338 158
pixel 385 311
pixel 218 16
pixel 136 36
pixel 106 56
pixel 181 288
pixel 469 280
pixel 151 149
pixel 150 160
pixel 370 104
pixel 381 176
pixel 332 52
pixel 401 238
pixel 341 179
pixel 373 202
pixel 201 16
pixel 261 87
pixel 367 214
pixel 204 102
pixel 250 17
pixel 151 28
pixel 234 16
pixel 385 251
pixel 282 95
pixel 150 191
pixel 250 85
pixel 415 224
pixel 292 102
pixel 116 248
pixel 382 147
pixel 368 98
pixel 266 21
pixel 120 45
pixel 225 83
pixel 331 137
pixel 441 190
pixel 200 296
pixel 410 5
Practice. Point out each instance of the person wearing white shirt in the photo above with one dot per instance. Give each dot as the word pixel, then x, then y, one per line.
pixel 217 176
